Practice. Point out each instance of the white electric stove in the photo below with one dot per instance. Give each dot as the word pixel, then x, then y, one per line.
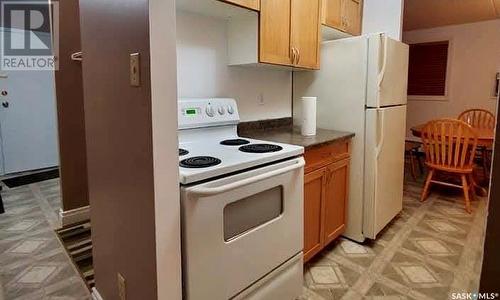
pixel 209 145
pixel 242 208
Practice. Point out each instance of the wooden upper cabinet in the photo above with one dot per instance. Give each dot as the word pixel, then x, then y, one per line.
pixel 252 4
pixel 344 15
pixel 314 192
pixel 275 32
pixel 331 13
pixel 353 14
pixel 336 195
pixel 305 33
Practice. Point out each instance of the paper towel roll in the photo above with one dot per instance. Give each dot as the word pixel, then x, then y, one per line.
pixel 308 116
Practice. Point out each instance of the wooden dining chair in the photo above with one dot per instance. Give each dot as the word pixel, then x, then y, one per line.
pixel 480 119
pixel 449 146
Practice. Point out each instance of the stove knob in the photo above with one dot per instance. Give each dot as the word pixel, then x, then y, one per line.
pixel 221 110
pixel 230 109
pixel 210 111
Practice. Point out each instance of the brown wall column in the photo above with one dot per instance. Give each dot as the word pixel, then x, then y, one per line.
pixel 118 124
pixel 490 275
pixel 70 110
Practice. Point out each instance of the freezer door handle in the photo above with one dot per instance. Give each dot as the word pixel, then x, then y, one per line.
pixel 384 50
pixel 209 191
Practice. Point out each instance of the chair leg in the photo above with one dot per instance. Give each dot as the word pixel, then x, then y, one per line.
pixel 486 163
pixel 412 165
pixel 427 185
pixel 472 186
pixel 465 187
pixel 420 165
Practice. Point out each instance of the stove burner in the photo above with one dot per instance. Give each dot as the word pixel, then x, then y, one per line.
pixel 260 148
pixel 199 162
pixel 234 142
pixel 183 152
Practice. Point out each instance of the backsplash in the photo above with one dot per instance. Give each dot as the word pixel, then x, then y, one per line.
pixel 202 71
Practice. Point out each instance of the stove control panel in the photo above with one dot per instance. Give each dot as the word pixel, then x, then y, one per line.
pixel 196 113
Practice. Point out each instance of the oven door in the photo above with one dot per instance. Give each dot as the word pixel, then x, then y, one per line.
pixel 237 229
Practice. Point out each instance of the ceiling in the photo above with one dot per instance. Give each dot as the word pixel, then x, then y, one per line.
pixel 421 14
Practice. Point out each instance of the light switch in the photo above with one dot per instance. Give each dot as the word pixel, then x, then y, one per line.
pixel 135 69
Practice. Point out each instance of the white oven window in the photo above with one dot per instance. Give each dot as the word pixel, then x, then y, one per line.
pixel 250 212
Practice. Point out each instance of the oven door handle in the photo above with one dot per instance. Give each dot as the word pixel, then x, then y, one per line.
pixel 209 191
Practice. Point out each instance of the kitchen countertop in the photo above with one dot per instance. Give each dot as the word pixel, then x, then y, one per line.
pixel 291 135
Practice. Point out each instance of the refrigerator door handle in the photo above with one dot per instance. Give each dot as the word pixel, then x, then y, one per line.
pixel 384 63
pixel 381 126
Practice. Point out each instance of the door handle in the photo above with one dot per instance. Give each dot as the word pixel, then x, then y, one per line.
pixel 5 104
pixel 210 191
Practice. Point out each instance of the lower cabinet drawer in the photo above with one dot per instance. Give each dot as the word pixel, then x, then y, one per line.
pixel 319 157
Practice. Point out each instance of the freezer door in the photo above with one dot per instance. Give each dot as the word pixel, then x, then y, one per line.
pixel 384 167
pixel 387 72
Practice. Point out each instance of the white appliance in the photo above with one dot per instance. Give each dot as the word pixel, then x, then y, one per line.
pixel 361 88
pixel 242 208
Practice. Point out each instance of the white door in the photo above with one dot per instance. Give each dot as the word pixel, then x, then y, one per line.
pixel 387 71
pixel 384 167
pixel 28 126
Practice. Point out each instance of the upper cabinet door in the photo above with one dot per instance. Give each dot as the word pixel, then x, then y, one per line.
pixel 252 4
pixel 331 14
pixel 305 33
pixel 352 16
pixel 275 32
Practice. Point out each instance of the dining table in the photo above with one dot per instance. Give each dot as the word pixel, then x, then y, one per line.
pixel 485 138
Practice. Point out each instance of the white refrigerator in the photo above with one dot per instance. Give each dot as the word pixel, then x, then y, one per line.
pixel 362 88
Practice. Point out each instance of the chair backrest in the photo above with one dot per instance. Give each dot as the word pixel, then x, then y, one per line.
pixel 478 118
pixel 449 143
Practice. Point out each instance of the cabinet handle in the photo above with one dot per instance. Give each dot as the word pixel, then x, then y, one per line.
pixel 292 50
pixel 298 56
pixel 295 58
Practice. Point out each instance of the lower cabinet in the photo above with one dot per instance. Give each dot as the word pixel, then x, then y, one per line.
pixel 314 194
pixel 325 199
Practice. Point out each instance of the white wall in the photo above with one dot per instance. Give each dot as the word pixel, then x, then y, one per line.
pixel 474 60
pixel 165 145
pixel 202 71
pixel 383 16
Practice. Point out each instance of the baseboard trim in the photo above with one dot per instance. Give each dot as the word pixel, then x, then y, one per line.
pixel 73 216
pixel 95 294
